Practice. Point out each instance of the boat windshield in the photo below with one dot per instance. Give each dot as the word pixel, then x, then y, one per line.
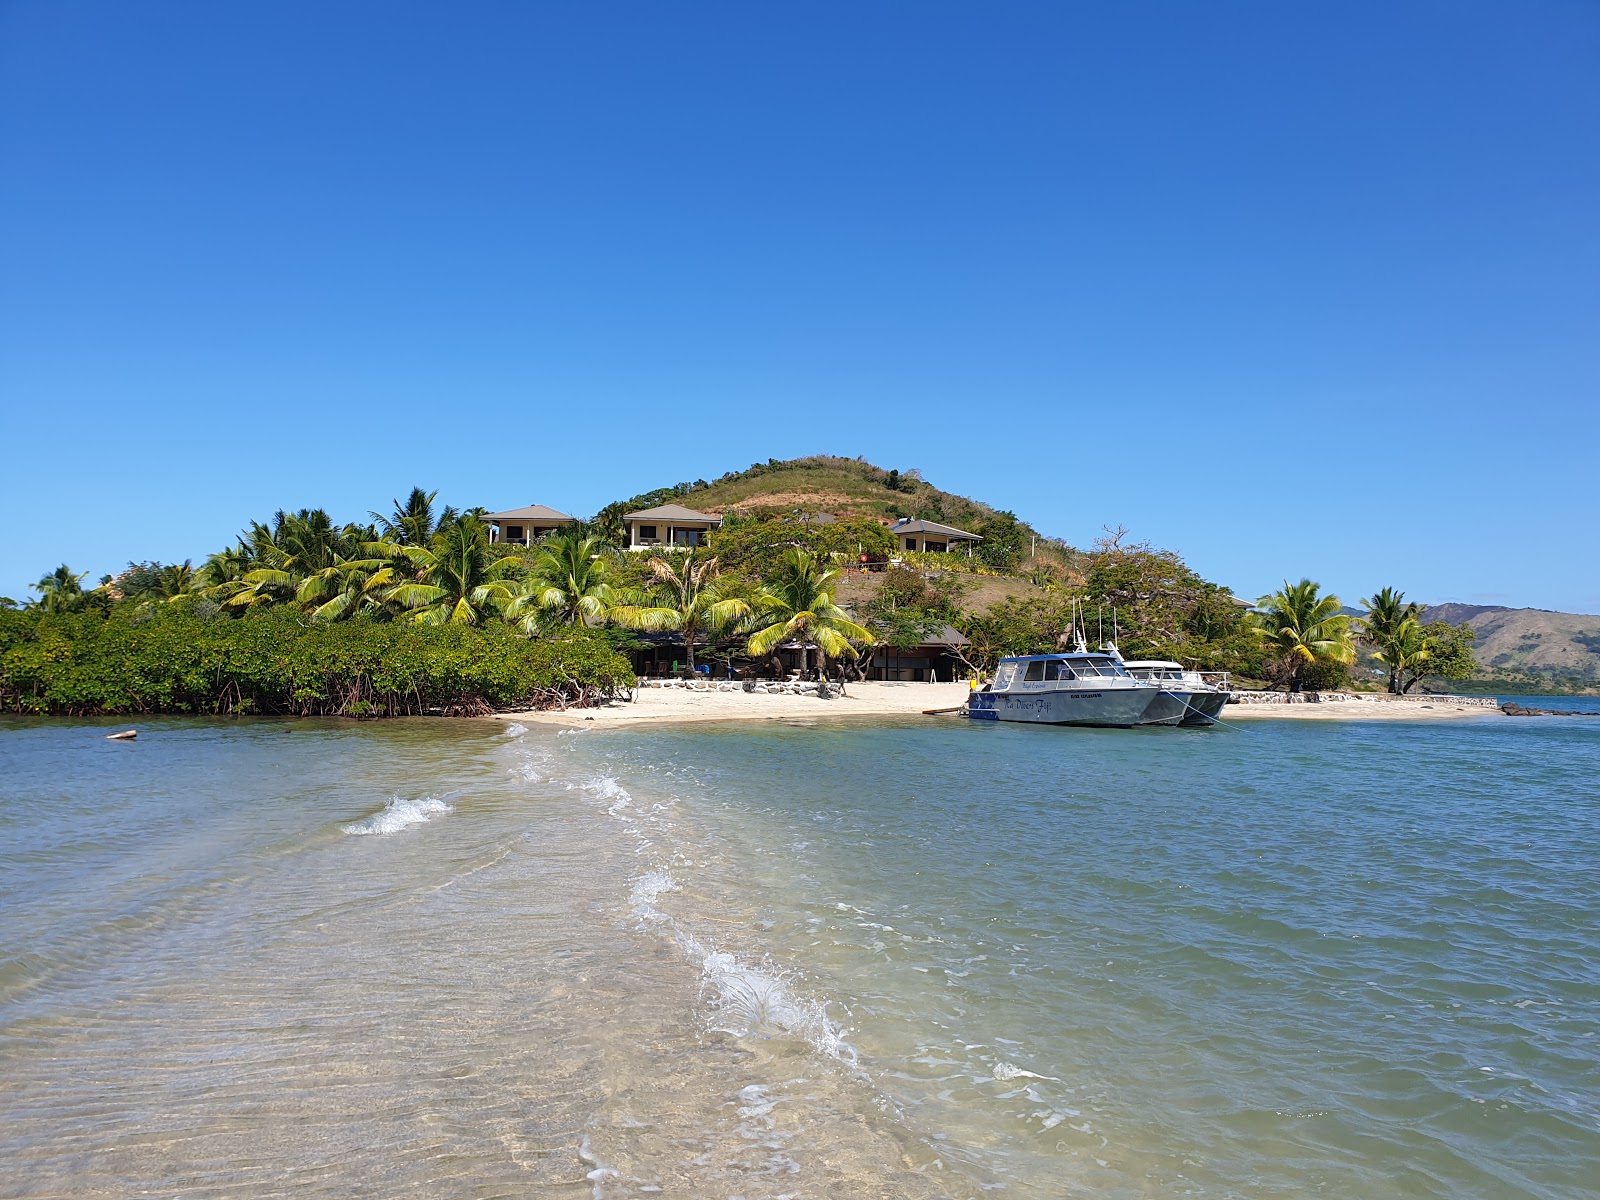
pixel 1089 667
pixel 1004 676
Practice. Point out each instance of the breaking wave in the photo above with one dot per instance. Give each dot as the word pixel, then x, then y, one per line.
pixel 399 814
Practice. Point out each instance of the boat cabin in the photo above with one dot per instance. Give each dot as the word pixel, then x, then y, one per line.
pixel 1037 671
pixel 1156 670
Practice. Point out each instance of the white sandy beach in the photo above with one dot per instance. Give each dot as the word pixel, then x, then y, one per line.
pixel 911 699
pixel 676 704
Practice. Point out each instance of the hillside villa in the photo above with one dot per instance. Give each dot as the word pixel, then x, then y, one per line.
pixel 524 526
pixel 930 537
pixel 669 525
pixel 672 525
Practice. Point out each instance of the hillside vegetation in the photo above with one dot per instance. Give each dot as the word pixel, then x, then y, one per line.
pixel 1529 648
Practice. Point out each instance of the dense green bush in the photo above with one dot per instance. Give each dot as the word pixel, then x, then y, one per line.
pixel 276 661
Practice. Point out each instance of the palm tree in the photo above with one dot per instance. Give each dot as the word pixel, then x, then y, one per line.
pixel 798 606
pixel 352 585
pixel 281 557
pixel 456 580
pixel 1305 627
pixel 569 582
pixel 411 523
pixel 61 591
pixel 178 580
pixel 1384 626
pixel 685 598
pixel 1405 648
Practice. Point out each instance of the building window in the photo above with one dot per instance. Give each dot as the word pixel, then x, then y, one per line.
pixel 911 543
pixel 936 547
pixel 513 533
pixel 686 537
pixel 647 533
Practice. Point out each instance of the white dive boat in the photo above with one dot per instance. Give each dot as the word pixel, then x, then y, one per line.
pixel 1082 688
pixel 1187 697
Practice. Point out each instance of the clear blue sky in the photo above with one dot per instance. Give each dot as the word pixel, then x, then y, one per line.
pixel 1296 290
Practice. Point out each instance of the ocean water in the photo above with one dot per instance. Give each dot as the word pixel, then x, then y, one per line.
pixel 1583 704
pixel 785 959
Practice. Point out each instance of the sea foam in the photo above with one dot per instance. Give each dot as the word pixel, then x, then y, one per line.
pixel 399 814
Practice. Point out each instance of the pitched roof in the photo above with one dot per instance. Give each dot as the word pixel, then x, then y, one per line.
pixel 534 513
pixel 933 527
pixel 671 512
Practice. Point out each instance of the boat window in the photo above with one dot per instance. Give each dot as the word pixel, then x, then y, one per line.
pixel 1004 676
pixel 1035 671
pixel 1061 669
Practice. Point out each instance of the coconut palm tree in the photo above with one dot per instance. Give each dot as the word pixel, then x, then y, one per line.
pixel 61 591
pixel 1385 626
pixel 177 580
pixel 569 582
pixel 797 606
pixel 411 523
pixel 1406 648
pixel 352 585
pixel 1305 627
pixel 684 598
pixel 455 579
pixel 282 556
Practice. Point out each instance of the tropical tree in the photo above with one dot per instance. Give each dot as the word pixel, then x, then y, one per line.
pixel 411 523
pixel 353 585
pixel 454 578
pixel 1304 627
pixel 685 598
pixel 1391 626
pixel 61 590
pixel 798 606
pixel 1415 650
pixel 281 556
pixel 569 582
pixel 608 526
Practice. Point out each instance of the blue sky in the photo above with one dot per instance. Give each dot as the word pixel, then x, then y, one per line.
pixel 1294 290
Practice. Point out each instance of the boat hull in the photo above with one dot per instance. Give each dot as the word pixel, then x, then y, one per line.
pixel 1204 708
pixel 1119 708
pixel 1168 708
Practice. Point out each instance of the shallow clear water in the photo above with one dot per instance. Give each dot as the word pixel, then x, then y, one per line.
pixel 1300 957
pixel 922 959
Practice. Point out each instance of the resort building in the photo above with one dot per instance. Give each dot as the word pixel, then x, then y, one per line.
pixel 931 536
pixel 933 660
pixel 668 525
pixel 524 526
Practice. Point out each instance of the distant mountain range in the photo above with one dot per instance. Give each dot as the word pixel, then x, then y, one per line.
pixel 1529 644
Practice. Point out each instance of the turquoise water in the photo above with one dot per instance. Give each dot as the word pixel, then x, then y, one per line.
pixel 1305 957
pixel 914 959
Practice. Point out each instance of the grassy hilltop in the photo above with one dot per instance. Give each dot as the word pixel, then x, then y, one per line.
pixel 825 483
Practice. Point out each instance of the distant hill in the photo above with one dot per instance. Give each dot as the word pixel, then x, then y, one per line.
pixel 1529 644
